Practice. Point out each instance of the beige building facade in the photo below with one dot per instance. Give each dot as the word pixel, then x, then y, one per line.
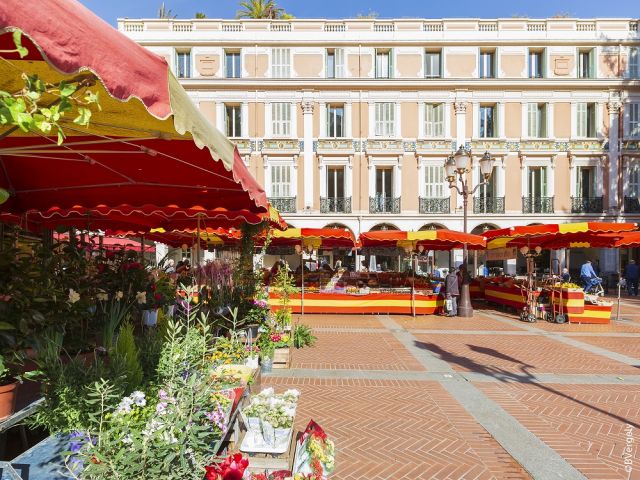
pixel 349 122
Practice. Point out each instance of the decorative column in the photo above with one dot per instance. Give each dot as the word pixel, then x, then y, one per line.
pixel 307 114
pixel 461 116
pixel 613 106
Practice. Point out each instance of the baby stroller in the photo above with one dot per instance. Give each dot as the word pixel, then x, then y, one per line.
pixel 593 286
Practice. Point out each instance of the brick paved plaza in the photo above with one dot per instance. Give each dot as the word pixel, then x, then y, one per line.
pixel 488 397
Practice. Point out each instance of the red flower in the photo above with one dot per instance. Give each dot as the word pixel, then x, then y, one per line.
pixel 158 297
pixel 276 337
pixel 231 468
pixel 153 287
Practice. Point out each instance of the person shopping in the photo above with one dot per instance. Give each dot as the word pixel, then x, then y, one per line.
pixel 453 291
pixel 631 275
pixel 589 277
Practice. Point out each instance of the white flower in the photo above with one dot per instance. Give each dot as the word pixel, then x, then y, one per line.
pixel 73 296
pixel 102 296
pixel 127 439
pixel 266 392
pixel 292 393
pixel 138 398
pixel 119 295
pixel 141 297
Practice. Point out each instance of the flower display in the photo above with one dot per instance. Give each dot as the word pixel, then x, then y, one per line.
pixel 73 296
pixel 231 468
pixel 141 298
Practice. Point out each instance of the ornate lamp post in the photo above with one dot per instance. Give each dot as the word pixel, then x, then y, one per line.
pixel 456 168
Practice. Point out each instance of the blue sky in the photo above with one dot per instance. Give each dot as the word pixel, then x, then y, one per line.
pixel 110 10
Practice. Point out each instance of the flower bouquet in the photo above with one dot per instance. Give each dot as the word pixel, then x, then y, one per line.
pixel 269 417
pixel 315 453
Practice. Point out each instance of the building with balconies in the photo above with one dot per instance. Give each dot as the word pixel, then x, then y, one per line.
pixel 349 122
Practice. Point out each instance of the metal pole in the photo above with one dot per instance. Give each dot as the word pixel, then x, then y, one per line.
pixel 618 309
pixel 465 309
pixel 302 282
pixel 197 262
pixel 413 287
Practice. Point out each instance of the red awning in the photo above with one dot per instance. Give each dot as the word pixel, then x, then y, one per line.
pixel 147 145
pixel 428 239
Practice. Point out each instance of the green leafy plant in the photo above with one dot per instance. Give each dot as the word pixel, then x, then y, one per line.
pixel 41 106
pixel 303 336
pixel 127 357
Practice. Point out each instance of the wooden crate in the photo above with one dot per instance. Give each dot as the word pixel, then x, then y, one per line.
pixel 282 358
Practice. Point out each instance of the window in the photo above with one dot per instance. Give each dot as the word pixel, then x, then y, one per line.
pixel 434 181
pixel 536 63
pixel 432 64
pixel 633 178
pixel 335 182
pixel 586 63
pixel 634 62
pixel 586 182
pixel 281 119
pixel 537 182
pixel 384 63
pixel 487 64
pixel 335 63
pixel 233 121
pixel 434 120
pixel 281 181
pixel 232 64
pixel 634 119
pixel 384 182
pixel 536 120
pixel 335 121
pixel 281 63
pixel 487 121
pixel 385 119
pixel 183 64
pixel 586 120
pixel 489 189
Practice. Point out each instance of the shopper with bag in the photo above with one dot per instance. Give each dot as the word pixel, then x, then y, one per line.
pixel 452 290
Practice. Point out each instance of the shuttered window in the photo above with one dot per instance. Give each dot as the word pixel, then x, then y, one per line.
pixel 281 63
pixel 536 120
pixel 434 120
pixel 586 120
pixel 432 64
pixel 385 119
pixel 281 119
pixel 634 119
pixel 281 180
pixel 384 63
pixel 434 181
pixel 634 62
pixel 335 63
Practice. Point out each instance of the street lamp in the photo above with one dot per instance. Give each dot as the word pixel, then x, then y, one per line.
pixel 456 168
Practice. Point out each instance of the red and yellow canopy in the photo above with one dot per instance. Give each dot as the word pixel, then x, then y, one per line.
pixel 314 238
pixel 557 236
pixel 148 144
pixel 429 239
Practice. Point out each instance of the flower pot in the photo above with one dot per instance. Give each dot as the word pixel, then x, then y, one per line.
pixel 8 395
pixel 281 435
pixel 150 318
pixel 251 362
pixel 267 365
pixel 253 424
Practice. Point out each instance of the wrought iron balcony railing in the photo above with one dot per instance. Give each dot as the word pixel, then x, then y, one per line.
pixel 587 205
pixel 335 204
pixel 631 205
pixel 384 205
pixel 537 204
pixel 435 205
pixel 488 204
pixel 284 204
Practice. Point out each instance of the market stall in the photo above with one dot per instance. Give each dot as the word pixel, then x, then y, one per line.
pixel 549 298
pixel 400 291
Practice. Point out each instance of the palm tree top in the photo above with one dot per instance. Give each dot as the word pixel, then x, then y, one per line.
pixel 265 9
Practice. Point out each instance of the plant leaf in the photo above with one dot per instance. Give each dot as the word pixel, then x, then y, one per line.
pixel 17 40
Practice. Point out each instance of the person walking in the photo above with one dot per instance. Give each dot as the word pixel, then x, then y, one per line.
pixel 453 291
pixel 631 274
pixel 588 276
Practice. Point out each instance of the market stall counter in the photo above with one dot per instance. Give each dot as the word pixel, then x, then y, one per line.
pixel 363 292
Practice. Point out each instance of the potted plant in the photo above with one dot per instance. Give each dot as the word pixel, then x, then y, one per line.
pixel 8 390
pixel 266 357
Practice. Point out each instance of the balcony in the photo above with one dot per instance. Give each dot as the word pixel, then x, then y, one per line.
pixel 631 205
pixel 435 205
pixel 537 204
pixel 284 204
pixel 384 205
pixel 335 205
pixel 488 205
pixel 587 205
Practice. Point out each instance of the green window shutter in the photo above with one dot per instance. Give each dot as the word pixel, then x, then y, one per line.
pixel 391 64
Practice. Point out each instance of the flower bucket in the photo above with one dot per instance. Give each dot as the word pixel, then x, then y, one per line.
pixel 281 435
pixel 8 395
pixel 251 362
pixel 253 424
pixel 150 318
pixel 268 433
pixel 267 365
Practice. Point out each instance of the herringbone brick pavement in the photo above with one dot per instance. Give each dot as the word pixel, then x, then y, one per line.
pixel 629 346
pixel 520 356
pixel 432 322
pixel 399 430
pixel 336 321
pixel 613 327
pixel 356 351
pixel 584 423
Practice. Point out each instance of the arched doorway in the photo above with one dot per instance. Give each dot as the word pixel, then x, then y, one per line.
pixel 338 257
pixel 433 226
pixel 383 226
